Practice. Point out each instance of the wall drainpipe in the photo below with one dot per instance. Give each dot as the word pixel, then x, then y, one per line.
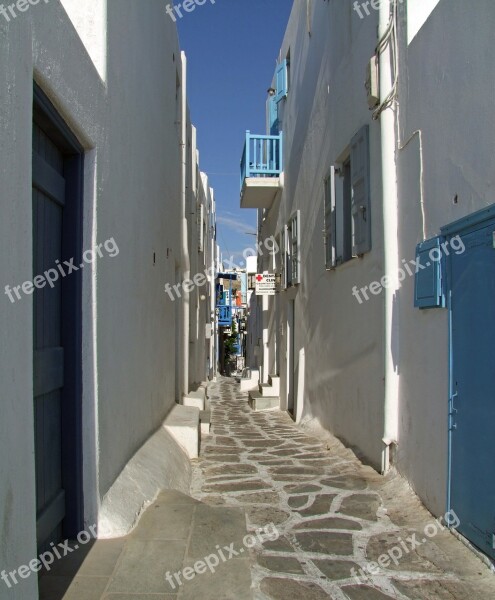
pixel 391 246
pixel 185 263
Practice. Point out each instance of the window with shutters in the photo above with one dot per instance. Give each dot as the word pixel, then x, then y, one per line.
pixel 360 192
pixel 283 258
pixel 201 228
pixel 288 72
pixel 281 81
pixel 429 283
pixel 347 231
pixel 330 221
pixel 293 245
pixel 280 91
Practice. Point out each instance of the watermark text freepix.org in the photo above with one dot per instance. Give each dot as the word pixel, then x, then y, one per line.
pixel 362 7
pixel 46 559
pixel 11 11
pixel 404 547
pixel 187 5
pixel 410 268
pixel 51 276
pixel 212 561
pixel 200 279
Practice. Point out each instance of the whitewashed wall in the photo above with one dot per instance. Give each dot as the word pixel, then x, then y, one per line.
pixel 447 78
pixel 445 148
pixel 113 79
pixel 340 340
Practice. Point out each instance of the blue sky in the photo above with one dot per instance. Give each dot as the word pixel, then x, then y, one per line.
pixel 231 47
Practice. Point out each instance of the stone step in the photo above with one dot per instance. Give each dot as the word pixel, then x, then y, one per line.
pixel 196 398
pixel 183 425
pixel 259 402
pixel 265 389
pixel 274 381
pixel 250 380
pixel 205 421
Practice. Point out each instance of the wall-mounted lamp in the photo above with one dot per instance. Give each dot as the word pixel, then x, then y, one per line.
pixel 271 91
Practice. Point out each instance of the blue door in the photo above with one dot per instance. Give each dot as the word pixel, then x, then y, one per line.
pixel 472 405
pixel 48 361
pixel 57 365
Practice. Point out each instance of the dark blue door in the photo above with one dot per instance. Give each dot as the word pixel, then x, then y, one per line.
pixel 57 232
pixel 48 207
pixel 472 406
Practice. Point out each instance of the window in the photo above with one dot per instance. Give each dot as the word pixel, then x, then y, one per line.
pixel 283 258
pixel 178 104
pixel 272 112
pixel 330 222
pixel 201 229
pixel 293 250
pixel 429 280
pixel 288 72
pixel 279 92
pixel 281 81
pixel 347 230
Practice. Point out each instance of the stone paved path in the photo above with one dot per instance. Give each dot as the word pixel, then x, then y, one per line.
pixel 332 513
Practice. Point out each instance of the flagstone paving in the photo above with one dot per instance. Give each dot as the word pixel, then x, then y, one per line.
pixel 332 514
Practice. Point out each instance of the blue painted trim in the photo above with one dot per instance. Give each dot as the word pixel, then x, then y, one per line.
pixel 429 289
pixel 262 156
pixel 476 220
pixel 472 220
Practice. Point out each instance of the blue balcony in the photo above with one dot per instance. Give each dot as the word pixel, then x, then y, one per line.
pixel 261 167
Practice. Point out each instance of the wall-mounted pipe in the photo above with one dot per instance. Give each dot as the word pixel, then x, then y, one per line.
pixel 185 263
pixel 390 229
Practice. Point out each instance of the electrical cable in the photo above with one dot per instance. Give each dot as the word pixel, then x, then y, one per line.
pixel 389 37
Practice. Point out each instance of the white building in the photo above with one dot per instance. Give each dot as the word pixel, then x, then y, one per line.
pixel 398 372
pixel 97 162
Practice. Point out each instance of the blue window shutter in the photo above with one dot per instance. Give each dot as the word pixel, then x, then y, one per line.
pixel 360 186
pixel 273 124
pixel 429 280
pixel 281 81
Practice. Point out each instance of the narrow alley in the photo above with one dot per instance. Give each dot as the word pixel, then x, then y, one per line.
pixel 336 518
pixel 276 513
pixel 247 250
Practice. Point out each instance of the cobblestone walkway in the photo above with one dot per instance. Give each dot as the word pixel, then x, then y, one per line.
pixel 333 514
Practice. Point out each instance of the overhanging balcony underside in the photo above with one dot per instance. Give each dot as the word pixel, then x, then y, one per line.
pixel 259 192
pixel 261 167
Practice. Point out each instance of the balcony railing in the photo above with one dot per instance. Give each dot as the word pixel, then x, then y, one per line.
pixel 262 156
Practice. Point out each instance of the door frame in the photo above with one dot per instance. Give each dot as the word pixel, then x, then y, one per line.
pixel 468 224
pixel 49 119
pixel 291 358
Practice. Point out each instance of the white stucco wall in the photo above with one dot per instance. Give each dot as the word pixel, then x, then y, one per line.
pixel 340 341
pixel 17 482
pixel 447 76
pixel 418 12
pixel 90 19
pixel 445 147
pixel 42 45
pixel 113 79
pixel 136 206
